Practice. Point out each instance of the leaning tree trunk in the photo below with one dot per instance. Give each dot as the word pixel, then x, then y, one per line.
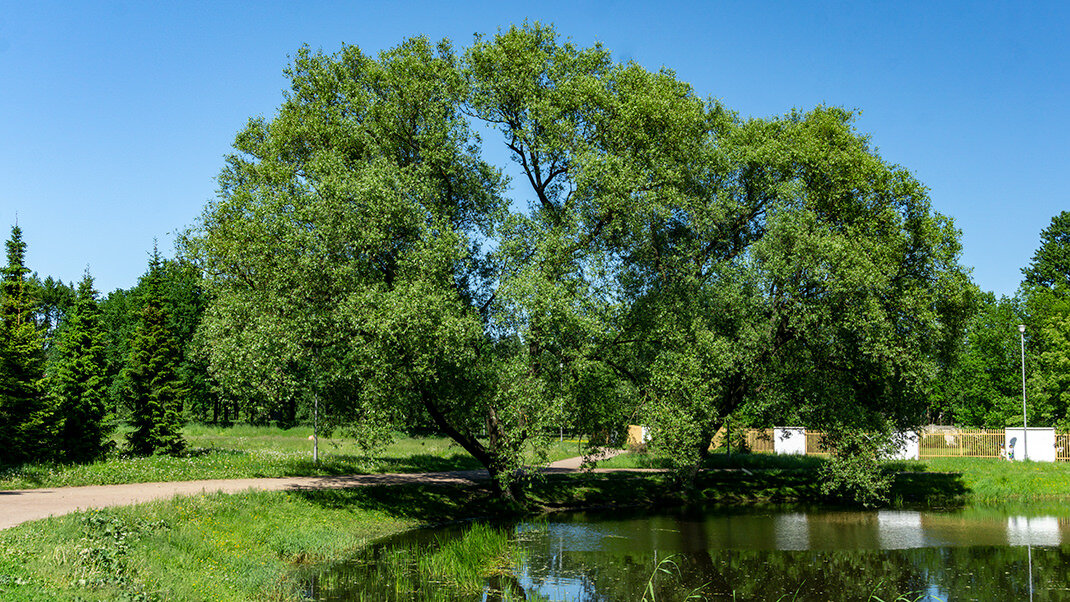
pixel 502 483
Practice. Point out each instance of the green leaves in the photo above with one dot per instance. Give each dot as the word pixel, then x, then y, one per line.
pixel 677 263
pixel 1051 263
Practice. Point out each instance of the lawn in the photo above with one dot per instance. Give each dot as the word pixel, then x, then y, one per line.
pixel 253 451
pixel 972 480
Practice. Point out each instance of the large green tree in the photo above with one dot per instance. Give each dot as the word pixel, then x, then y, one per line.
pixel 1050 267
pixel 798 279
pixel 342 255
pixel 24 415
pixel 78 380
pixel 673 261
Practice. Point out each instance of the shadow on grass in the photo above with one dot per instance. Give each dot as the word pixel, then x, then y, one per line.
pixel 437 503
pixel 587 490
pixel 446 502
pixel 430 504
pixel 338 465
pixel 428 463
pixel 932 488
pixel 763 461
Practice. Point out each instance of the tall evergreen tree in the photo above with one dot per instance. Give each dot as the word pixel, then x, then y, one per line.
pixel 78 380
pixel 23 415
pixel 154 389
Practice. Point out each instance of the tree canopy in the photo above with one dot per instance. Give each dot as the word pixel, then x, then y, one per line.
pixel 674 262
pixel 1050 266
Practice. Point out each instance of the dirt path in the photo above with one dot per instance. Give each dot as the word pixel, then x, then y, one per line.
pixel 21 505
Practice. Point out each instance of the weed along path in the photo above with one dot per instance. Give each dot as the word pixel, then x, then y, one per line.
pixel 22 505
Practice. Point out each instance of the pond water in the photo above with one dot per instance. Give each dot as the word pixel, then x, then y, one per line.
pixel 757 554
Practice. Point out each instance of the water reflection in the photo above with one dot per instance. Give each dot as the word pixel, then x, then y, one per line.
pixel 768 555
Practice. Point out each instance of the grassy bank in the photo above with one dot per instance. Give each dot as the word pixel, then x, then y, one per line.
pixel 249 546
pixel 989 480
pixel 210 547
pixel 252 546
pixel 248 451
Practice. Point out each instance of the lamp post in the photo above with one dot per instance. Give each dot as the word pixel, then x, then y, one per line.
pixel 1025 419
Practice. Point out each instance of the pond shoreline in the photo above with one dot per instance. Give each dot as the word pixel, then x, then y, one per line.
pixel 248 546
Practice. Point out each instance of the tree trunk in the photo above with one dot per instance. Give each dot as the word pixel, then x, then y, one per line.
pixel 507 489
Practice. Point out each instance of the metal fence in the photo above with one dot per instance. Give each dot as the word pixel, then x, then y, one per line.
pixel 945 443
pixel 962 443
pixel 941 443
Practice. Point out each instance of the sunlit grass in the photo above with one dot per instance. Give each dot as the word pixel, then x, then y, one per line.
pixel 252 451
pixel 248 546
pixel 995 480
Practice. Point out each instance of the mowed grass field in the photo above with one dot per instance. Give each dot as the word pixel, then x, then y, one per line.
pixel 259 451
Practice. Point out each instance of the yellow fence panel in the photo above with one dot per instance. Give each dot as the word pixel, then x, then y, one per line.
pixel 962 443
pixel 815 444
pixel 760 441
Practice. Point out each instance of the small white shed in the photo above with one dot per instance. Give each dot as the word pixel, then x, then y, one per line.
pixel 1041 443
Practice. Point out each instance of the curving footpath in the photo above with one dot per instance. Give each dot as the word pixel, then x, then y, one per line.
pixel 22 505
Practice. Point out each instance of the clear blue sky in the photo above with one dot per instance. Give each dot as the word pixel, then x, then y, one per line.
pixel 114 117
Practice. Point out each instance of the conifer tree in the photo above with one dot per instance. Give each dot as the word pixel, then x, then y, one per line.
pixel 78 380
pixel 23 414
pixel 154 391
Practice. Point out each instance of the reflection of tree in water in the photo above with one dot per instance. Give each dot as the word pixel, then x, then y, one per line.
pixel 1001 573
pixel 981 573
pixel 967 573
pixel 757 575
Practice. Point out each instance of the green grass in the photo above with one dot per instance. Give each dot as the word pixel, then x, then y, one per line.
pixel 939 481
pixel 248 451
pixel 207 547
pixel 252 546
pixel 990 480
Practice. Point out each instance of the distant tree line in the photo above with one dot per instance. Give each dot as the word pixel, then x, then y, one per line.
pixel 73 366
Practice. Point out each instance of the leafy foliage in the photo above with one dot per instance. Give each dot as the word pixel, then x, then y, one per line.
pixel 1050 267
pixel 675 262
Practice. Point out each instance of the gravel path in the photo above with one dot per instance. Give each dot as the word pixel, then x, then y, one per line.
pixel 21 505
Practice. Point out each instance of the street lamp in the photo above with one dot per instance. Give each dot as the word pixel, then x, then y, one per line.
pixel 1025 420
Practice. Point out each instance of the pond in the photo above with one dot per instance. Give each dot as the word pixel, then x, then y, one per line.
pixel 755 554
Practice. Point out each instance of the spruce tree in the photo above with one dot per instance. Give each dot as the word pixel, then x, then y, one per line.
pixel 78 380
pixel 23 414
pixel 154 389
